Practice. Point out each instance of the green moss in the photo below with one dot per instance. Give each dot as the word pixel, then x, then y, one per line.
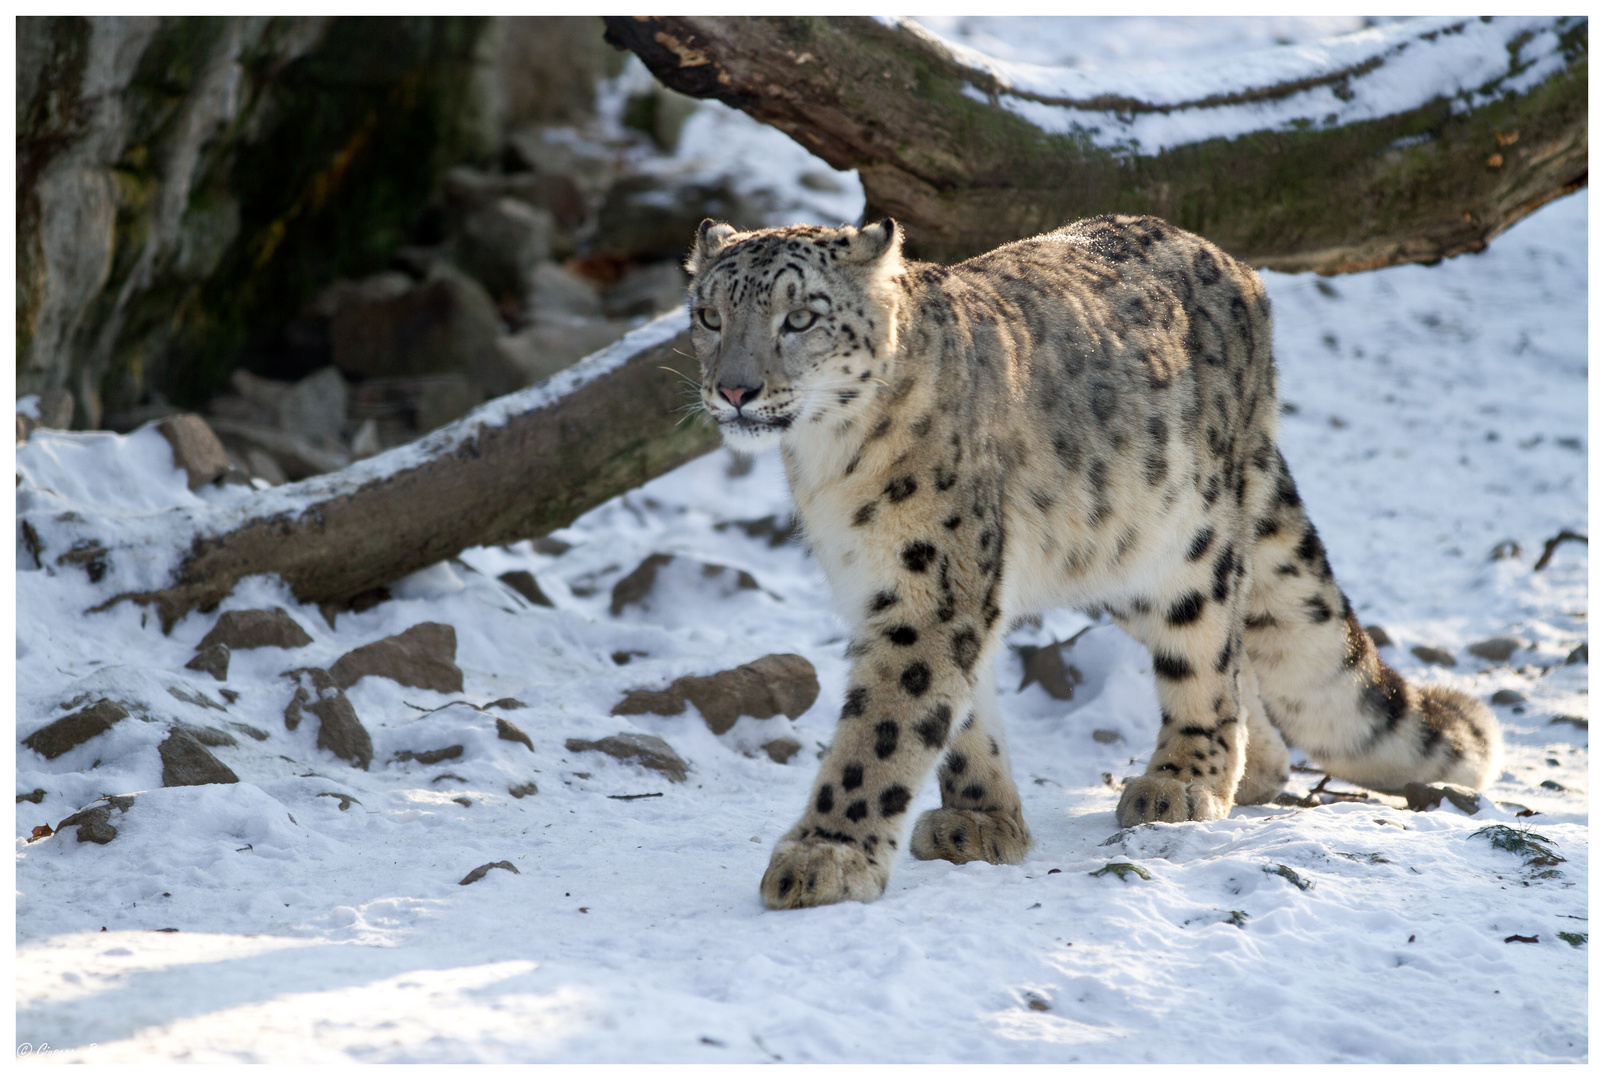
pixel 1121 869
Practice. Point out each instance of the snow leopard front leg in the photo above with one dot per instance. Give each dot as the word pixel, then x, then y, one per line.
pixel 927 629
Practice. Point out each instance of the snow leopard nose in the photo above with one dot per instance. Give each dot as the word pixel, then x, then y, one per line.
pixel 740 395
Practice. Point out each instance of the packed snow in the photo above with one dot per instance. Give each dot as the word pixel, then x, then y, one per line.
pixel 1436 423
pixel 1459 60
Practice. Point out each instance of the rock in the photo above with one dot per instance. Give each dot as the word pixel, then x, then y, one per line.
pixel 296 456
pixel 519 791
pixel 1496 649
pixel 505 703
pixel 340 731
pixel 1508 697
pixel 422 656
pixel 500 242
pixel 401 408
pixel 196 448
pixel 782 749
pixel 37 795
pixel 659 113
pixel 513 733
pixel 775 529
pixel 255 628
pixel 648 219
pixel 1104 736
pixel 345 800
pixel 549 346
pixel 315 408
pixel 55 408
pixel 1429 796
pixel 1046 667
pixel 94 822
pixel 1432 655
pixel 194 697
pixel 430 757
pixel 778 683
pixel 245 729
pixel 208 736
pixel 1379 636
pixel 480 871
pixel 213 660
pixel 1578 722
pixel 264 466
pixel 636 586
pixel 170 205
pixel 186 763
pixel 651 290
pixel 56 738
pixel 648 751
pixel 525 584
pixel 558 291
pixel 1577 655
pixel 447 323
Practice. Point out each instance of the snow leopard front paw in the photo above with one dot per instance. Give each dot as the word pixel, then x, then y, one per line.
pixel 814 872
pixel 959 836
pixel 1164 798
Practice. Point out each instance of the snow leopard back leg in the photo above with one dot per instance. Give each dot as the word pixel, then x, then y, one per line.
pixel 1326 689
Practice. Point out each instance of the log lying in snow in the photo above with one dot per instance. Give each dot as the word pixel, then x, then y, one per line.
pixel 1404 143
pixel 517 467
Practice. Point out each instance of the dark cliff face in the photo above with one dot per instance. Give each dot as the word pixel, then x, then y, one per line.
pixel 185 184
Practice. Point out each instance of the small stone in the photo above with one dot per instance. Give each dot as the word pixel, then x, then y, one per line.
pixel 430 757
pixel 506 703
pixel 513 733
pixel 658 702
pixel 186 763
pixel 255 629
pixel 213 660
pixel 636 586
pixel 1105 737
pixel 480 871
pixel 422 656
pixel 1577 655
pixel 208 736
pixel 254 732
pixel 57 738
pixel 340 731
pixel 1496 649
pixel 648 751
pixel 463 799
pixel 1046 667
pixel 1432 655
pixel 196 448
pixel 194 697
pixel 518 791
pixel 1378 636
pixel 1428 796
pixel 37 795
pixel 524 583
pixel 1552 785
pixel 94 822
pixel 1575 721
pixel 345 800
pixel 1508 697
pixel 782 749
pixel 777 683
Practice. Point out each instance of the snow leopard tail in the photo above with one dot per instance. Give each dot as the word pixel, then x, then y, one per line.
pixel 1326 689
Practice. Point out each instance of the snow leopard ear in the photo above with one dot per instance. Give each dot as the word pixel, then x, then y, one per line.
pixel 874 243
pixel 711 238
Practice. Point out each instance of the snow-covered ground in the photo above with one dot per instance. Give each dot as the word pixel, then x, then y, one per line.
pixel 1437 414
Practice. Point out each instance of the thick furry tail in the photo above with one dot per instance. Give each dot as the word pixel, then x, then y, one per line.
pixel 1326 689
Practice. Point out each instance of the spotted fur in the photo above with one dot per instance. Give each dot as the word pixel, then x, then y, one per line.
pixel 1084 418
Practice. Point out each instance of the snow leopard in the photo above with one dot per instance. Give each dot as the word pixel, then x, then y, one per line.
pixel 1085 418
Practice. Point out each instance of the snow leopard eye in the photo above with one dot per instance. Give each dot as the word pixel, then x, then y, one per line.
pixel 710 318
pixel 800 320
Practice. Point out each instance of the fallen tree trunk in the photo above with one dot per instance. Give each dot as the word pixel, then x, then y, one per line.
pixel 1405 143
pixel 518 467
